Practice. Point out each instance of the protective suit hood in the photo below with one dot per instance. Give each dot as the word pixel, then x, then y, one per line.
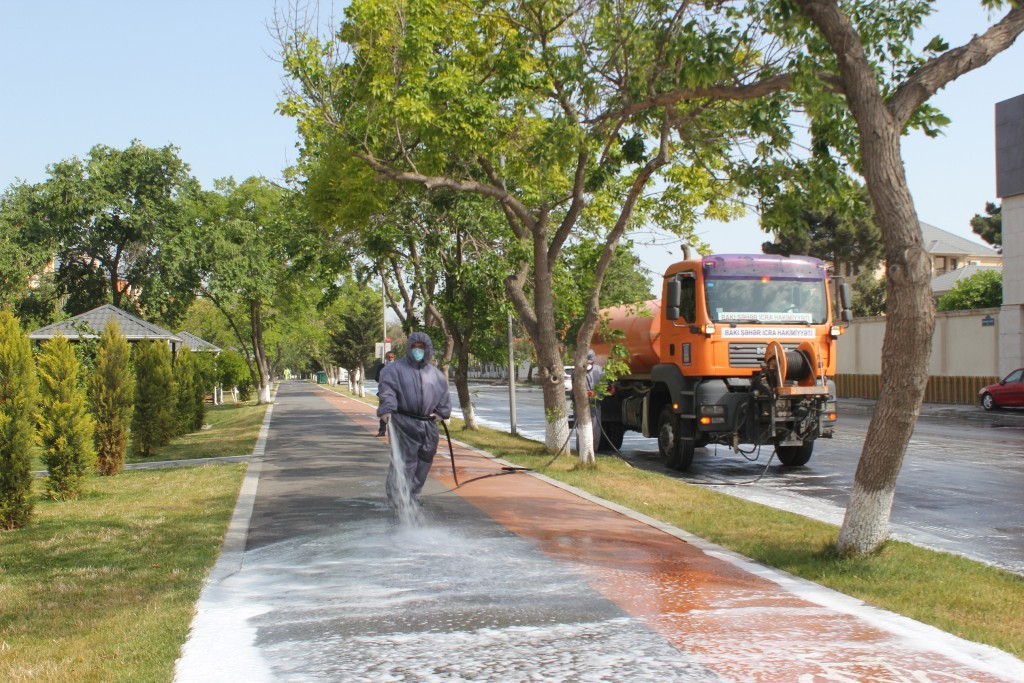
pixel 428 349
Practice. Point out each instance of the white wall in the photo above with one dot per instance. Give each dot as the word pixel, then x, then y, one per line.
pixel 962 345
pixel 1012 312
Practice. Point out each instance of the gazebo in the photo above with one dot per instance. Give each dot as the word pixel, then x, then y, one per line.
pixel 198 345
pixel 90 325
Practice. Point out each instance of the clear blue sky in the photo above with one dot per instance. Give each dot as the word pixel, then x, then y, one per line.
pixel 201 75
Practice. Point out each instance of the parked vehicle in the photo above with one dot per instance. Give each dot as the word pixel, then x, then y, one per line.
pixel 1009 391
pixel 740 349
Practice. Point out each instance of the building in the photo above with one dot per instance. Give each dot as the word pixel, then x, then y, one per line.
pixel 951 252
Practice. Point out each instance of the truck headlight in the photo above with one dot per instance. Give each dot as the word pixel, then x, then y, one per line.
pixel 708 409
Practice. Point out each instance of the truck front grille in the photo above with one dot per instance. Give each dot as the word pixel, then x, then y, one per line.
pixel 750 354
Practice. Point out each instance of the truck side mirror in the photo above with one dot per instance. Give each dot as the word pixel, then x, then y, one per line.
pixel 844 296
pixel 845 314
pixel 673 299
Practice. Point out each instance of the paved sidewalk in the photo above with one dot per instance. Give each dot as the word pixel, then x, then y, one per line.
pixel 511 577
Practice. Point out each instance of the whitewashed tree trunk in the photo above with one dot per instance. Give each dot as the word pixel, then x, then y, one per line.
pixel 910 311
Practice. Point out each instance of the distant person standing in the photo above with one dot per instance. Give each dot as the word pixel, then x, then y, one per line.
pixel 595 373
pixel 389 358
pixel 413 398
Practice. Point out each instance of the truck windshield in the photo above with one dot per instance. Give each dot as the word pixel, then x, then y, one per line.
pixel 765 289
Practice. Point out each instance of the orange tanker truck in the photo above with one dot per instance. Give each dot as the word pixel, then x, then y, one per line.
pixel 739 350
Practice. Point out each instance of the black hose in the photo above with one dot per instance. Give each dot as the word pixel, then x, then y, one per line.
pixel 451 453
pixel 451 450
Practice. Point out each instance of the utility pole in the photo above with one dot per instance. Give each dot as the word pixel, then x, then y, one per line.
pixel 511 378
pixel 384 319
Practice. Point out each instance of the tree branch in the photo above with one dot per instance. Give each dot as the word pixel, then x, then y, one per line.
pixel 952 64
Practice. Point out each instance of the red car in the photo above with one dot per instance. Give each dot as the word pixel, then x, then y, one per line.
pixel 1008 392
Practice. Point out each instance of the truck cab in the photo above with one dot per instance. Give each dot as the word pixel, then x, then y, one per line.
pixel 739 350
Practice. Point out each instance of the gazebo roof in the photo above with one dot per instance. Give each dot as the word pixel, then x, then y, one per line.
pixel 132 327
pixel 194 343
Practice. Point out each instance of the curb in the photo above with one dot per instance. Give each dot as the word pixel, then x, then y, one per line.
pixel 233 549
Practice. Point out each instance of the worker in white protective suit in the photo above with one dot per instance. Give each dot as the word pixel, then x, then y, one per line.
pixel 413 397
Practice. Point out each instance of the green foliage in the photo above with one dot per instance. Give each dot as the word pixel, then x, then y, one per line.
pixel 869 294
pixel 122 223
pixel 249 232
pixel 66 429
pixel 990 228
pixel 19 399
pixel 26 246
pixel 357 326
pixel 984 289
pixel 829 221
pixel 626 282
pixel 232 371
pixel 190 392
pixel 112 397
pixel 153 422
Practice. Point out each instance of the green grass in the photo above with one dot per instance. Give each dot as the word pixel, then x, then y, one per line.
pixel 104 588
pixel 969 599
pixel 233 431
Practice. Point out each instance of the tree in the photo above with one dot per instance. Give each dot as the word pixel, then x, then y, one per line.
pixel 990 228
pixel 983 289
pixel 19 398
pixel 245 260
pixel 833 224
pixel 356 328
pixel 560 113
pixel 26 245
pixel 122 221
pixel 869 295
pixel 861 66
pixel 112 396
pixel 66 429
pixel 232 371
pixel 153 422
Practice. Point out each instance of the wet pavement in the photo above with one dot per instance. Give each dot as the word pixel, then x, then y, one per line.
pixel 510 577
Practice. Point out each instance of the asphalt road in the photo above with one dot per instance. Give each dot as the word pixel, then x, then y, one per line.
pixel 959 489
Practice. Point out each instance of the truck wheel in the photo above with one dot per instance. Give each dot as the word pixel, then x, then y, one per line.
pixel 611 436
pixel 795 456
pixel 675 451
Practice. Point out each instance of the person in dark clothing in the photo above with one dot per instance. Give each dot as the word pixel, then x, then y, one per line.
pixel 413 397
pixel 389 358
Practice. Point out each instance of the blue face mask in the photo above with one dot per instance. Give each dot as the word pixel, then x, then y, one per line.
pixel 417 354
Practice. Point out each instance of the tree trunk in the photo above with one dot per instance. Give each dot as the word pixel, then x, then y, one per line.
pixel 549 354
pixel 906 348
pixel 910 319
pixel 259 352
pixel 586 449
pixel 462 383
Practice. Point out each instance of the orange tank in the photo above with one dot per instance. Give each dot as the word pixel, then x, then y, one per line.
pixel 641 324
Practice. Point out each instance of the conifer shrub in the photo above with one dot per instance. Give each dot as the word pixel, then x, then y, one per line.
pixel 190 391
pixel 19 399
pixel 65 426
pixel 112 398
pixel 153 421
